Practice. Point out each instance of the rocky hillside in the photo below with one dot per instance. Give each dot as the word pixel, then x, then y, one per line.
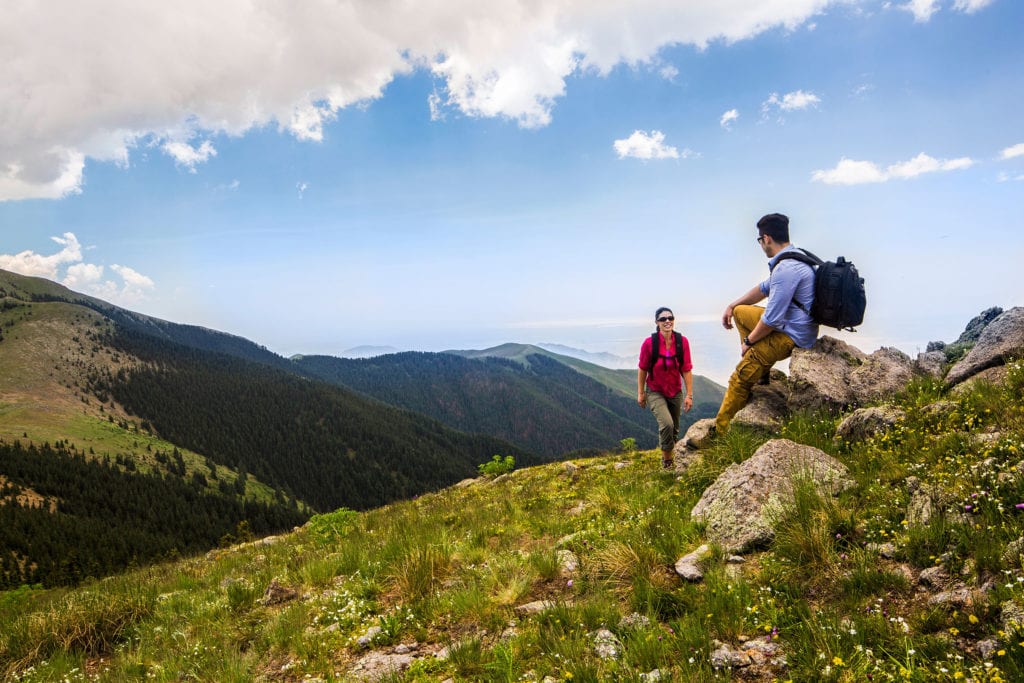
pixel 864 522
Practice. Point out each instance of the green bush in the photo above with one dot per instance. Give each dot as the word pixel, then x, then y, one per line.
pixel 497 466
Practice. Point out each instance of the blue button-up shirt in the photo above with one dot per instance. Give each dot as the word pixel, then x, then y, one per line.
pixel 790 282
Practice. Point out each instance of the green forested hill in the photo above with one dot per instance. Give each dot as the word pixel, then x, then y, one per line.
pixel 544 406
pixel 323 444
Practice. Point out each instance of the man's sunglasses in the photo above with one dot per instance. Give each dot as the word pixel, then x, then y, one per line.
pixel 666 319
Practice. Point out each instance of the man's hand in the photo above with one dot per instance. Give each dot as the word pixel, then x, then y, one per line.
pixel 727 318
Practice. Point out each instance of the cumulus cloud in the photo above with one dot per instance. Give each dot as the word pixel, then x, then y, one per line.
pixel 188 156
pixel 851 172
pixel 92 80
pixel 128 288
pixel 1012 152
pixel 728 118
pixel 644 145
pixel 668 72
pixel 791 101
pixel 971 6
pixel 922 9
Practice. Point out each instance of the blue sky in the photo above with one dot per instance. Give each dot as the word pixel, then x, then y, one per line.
pixel 456 174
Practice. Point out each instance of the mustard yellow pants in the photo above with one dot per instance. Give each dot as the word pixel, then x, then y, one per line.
pixel 755 362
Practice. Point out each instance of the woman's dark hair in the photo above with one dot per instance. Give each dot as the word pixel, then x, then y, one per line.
pixel 663 309
pixel 776 226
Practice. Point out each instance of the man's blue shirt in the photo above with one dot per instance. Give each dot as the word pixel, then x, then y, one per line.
pixel 789 282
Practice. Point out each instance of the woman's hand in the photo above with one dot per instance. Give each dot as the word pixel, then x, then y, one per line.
pixel 641 399
pixel 687 403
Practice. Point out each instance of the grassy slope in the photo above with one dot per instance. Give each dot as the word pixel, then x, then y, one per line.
pixel 447 570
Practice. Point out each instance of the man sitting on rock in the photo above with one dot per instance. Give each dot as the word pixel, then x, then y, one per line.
pixel 769 334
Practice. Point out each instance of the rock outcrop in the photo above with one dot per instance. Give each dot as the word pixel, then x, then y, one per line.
pixel 819 377
pixel 742 506
pixel 1001 340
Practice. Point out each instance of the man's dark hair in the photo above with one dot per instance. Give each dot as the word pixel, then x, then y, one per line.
pixel 776 226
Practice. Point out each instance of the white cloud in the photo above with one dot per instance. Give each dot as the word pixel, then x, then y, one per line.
pixel 971 6
pixel 1003 177
pixel 643 145
pixel 301 187
pixel 188 156
pixel 728 118
pixel 91 80
pixel 851 172
pixel 791 101
pixel 130 287
pixel 668 72
pixel 1012 152
pixel 922 9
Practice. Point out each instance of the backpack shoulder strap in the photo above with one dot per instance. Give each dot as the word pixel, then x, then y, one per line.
pixel 679 349
pixel 801 255
pixel 655 352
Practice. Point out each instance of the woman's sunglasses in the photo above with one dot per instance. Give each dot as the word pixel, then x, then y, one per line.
pixel 666 319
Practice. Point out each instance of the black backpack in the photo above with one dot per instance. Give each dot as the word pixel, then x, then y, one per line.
pixel 839 298
pixel 656 350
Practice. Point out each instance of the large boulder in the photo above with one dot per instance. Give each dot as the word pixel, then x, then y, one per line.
pixel 766 408
pixel 699 434
pixel 819 377
pixel 743 505
pixel 884 373
pixel 1001 339
pixel 978 324
pixel 930 363
pixel 832 374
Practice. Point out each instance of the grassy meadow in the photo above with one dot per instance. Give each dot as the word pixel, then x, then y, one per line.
pixel 443 575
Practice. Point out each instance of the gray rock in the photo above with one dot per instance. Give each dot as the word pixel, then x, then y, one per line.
pixel 634 621
pixel 683 457
pixel 958 598
pixel 1001 339
pixel 277 594
pixel 930 363
pixel 978 324
pixel 698 434
pixel 1011 616
pixel 377 665
pixel 535 607
pixel 568 562
pixel 725 656
pixel 366 640
pixel 742 506
pixel 934 577
pixel 884 373
pixel 819 377
pixel 606 645
pixel 766 408
pixel 987 648
pixel 1012 553
pixel 939 410
pixel 993 375
pixel 866 422
pixel 691 566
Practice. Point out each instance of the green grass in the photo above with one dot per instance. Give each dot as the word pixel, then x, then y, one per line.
pixel 448 569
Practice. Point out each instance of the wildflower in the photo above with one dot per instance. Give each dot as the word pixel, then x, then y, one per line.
pixel 973 619
pixel 837 661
